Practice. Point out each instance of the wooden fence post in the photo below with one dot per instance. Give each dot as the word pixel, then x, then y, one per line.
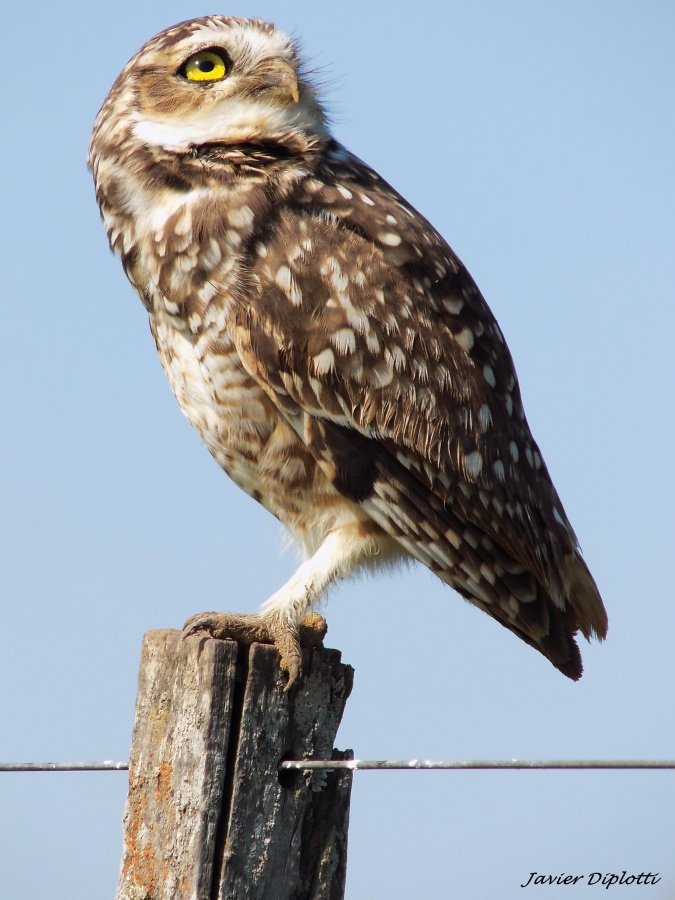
pixel 208 816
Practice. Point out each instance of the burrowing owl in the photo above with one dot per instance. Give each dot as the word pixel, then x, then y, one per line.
pixel 331 350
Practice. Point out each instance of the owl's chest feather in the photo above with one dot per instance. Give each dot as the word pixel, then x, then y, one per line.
pixel 184 255
pixel 244 431
pixel 220 399
pixel 186 274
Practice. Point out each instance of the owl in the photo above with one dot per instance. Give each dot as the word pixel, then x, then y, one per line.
pixel 331 350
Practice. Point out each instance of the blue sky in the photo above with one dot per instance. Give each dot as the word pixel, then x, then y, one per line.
pixel 539 138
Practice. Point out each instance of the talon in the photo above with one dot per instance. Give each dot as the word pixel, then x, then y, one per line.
pixel 246 628
pixel 290 660
pixel 252 628
pixel 200 622
pixel 286 640
pixel 294 672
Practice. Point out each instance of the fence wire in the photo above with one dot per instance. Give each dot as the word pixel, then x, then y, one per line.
pixel 403 764
pixel 376 764
pixel 107 765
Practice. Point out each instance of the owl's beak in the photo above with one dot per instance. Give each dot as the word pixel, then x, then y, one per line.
pixel 277 76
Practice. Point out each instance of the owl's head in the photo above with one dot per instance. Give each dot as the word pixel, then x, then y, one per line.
pixel 214 80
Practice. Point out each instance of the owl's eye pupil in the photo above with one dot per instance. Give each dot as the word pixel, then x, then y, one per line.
pixel 205 65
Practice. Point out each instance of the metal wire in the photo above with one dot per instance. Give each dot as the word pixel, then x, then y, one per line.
pixel 351 764
pixel 375 764
pixel 106 766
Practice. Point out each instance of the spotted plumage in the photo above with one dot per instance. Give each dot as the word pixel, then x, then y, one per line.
pixel 331 350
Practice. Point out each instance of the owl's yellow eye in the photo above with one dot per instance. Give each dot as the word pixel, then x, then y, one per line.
pixel 204 66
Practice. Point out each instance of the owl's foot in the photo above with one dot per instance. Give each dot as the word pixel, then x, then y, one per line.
pixel 264 629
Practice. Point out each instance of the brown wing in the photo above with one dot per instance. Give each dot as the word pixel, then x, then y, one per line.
pixel 372 337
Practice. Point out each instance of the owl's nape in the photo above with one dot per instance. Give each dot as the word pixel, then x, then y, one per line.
pixel 330 349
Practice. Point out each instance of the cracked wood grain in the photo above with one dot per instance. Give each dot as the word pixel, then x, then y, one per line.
pixel 208 817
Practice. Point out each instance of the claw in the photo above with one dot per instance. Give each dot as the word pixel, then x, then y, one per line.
pixel 247 629
pixel 200 622
pixel 264 629
pixel 287 643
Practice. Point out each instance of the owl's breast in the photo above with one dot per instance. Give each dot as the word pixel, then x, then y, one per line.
pixel 219 398
pixel 189 275
pixel 244 431
pixel 185 256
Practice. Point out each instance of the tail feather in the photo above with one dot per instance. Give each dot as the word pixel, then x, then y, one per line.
pixel 549 630
pixel 589 612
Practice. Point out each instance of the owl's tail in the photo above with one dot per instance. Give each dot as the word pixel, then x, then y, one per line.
pixel 551 629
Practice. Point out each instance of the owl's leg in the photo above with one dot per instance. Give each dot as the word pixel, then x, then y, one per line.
pixel 283 619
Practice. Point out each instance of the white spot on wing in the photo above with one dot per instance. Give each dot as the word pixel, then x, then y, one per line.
pixel 473 463
pixel 487 573
pixel 241 217
pixel 286 282
pixel 465 339
pixel 453 538
pixel 283 278
pixel 324 362
pixel 344 340
pixel 212 255
pixel 484 417
pixel 389 238
pixel 558 517
pixel 453 305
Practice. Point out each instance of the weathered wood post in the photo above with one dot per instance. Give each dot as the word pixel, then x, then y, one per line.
pixel 208 816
